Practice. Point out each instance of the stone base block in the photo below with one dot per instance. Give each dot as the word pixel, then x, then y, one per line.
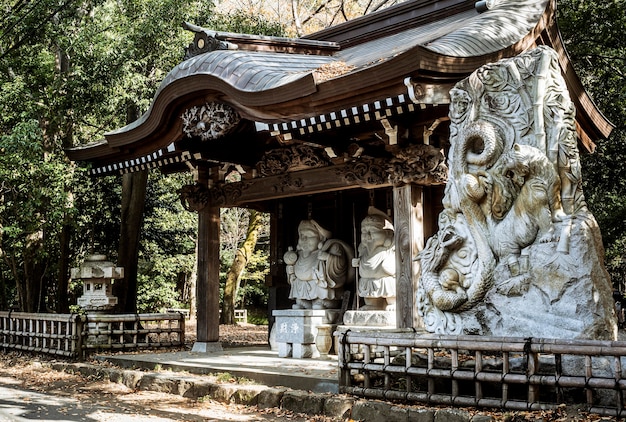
pixel 296 330
pixel 297 351
pixel 302 351
pixel 370 318
pixel 207 347
pixel 284 350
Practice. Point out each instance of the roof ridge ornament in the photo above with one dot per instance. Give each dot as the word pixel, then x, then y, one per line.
pixel 485 5
pixel 206 40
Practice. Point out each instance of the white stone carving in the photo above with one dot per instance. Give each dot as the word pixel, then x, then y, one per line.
pixel 377 262
pixel 517 252
pixel 319 268
pixel 209 121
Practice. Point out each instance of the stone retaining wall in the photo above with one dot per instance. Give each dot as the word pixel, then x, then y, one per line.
pixel 339 406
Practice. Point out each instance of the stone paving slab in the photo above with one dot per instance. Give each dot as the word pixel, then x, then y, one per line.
pixel 256 363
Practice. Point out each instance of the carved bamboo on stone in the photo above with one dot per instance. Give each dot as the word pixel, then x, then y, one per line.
pixel 511 201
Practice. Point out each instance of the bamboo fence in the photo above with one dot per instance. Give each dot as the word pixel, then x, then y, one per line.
pixel 496 372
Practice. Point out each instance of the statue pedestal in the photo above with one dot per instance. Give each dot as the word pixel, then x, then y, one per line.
pixel 370 318
pixel 365 321
pixel 296 330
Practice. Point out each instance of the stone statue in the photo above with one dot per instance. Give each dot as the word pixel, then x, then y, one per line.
pixel 377 262
pixel 517 252
pixel 318 269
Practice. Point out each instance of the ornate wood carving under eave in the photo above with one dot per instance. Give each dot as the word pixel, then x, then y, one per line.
pixel 364 173
pixel 293 158
pixel 419 165
pixel 196 197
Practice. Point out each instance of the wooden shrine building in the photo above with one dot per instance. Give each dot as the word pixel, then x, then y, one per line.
pixel 323 126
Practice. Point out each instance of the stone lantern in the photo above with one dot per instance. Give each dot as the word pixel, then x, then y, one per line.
pixel 97 274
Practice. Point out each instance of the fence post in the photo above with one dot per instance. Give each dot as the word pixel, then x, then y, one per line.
pixel 79 325
pixel 181 325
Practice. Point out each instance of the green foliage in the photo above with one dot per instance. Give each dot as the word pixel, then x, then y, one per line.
pixel 234 225
pixel 167 254
pixel 155 294
pixel 596 41
pixel 257 316
pixel 253 291
pixel 69 72
pixel 241 22
pixel 33 206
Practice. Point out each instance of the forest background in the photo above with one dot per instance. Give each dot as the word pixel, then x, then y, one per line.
pixel 71 70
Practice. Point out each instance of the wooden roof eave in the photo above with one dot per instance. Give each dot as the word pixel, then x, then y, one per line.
pixel 386 78
pixel 300 99
pixel 307 97
pixel 188 89
pixel 91 152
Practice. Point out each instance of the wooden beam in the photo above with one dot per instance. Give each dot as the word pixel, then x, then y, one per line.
pixel 363 174
pixel 208 281
pixel 409 228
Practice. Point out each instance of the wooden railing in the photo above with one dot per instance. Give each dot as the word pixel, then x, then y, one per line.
pixel 74 335
pixel 133 331
pixel 56 334
pixel 508 373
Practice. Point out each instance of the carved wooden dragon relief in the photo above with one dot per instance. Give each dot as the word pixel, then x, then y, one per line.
pixel 209 121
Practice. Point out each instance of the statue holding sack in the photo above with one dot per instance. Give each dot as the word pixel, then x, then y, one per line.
pixel 318 269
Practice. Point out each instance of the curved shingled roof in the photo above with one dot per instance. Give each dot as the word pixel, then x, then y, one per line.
pixel 272 80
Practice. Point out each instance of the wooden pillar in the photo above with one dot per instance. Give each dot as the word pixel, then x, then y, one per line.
pixel 208 281
pixel 409 238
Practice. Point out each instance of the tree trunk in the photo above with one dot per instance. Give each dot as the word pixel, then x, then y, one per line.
pixel 242 257
pixel 133 201
pixel 62 304
pixel 34 270
pixel 296 17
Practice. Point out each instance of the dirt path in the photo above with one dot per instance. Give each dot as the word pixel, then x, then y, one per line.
pixel 30 390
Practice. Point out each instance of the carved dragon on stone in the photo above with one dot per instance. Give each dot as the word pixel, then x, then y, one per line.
pixel 514 181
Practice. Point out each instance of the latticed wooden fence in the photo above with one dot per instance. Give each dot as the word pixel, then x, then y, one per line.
pixel 133 331
pixel 74 336
pixel 508 373
pixel 54 334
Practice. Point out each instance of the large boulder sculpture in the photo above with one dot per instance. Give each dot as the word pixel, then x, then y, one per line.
pixel 517 252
